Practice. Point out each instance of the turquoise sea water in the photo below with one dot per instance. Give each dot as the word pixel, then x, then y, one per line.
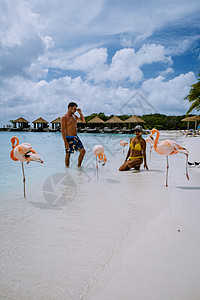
pixel 50 147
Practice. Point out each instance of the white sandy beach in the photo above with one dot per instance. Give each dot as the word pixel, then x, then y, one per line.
pixel 163 261
pixel 124 236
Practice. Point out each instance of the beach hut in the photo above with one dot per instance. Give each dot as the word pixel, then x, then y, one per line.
pixel 195 119
pixel 40 123
pixel 96 124
pixel 115 120
pixel 188 119
pixel 21 123
pixel 115 123
pixel 133 120
pixel 96 120
pixel 56 124
pixel 191 119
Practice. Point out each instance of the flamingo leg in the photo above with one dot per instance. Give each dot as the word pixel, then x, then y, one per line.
pixel 23 179
pixel 97 166
pixel 187 176
pixel 150 150
pixel 167 171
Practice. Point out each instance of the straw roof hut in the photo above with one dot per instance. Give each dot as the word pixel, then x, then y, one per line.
pixel 22 123
pixel 195 118
pixel 96 120
pixel 56 123
pixel 134 119
pixel 191 119
pixel 115 120
pixel 188 119
pixel 40 123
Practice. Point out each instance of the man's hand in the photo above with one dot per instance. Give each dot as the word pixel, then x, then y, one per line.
pixel 67 146
pixel 79 111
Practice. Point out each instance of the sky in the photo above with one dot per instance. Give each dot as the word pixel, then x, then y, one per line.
pixel 117 57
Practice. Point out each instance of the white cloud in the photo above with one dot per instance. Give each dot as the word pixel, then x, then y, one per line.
pixel 35 71
pixel 151 53
pixel 38 36
pixel 20 42
pixel 72 23
pixel 29 99
pixel 168 96
pixel 125 64
pixel 95 58
pixel 180 46
pixel 167 71
pixel 49 99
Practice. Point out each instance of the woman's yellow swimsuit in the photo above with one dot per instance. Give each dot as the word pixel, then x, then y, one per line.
pixel 137 147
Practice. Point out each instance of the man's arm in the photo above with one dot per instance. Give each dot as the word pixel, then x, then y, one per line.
pixel 82 119
pixel 63 131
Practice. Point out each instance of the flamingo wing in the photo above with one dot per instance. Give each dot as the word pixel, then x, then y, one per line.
pixel 165 147
pixel 21 150
pixel 178 148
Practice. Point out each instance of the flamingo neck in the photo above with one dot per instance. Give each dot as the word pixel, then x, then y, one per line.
pixel 14 138
pixel 156 140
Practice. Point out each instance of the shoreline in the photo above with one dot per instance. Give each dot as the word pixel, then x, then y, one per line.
pixel 177 132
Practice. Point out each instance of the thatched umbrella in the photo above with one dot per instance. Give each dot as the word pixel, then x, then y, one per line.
pixel 115 120
pixel 195 119
pixel 96 120
pixel 134 120
pixel 191 119
pixel 23 123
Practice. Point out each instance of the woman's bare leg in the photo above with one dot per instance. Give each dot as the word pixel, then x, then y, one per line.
pixel 131 164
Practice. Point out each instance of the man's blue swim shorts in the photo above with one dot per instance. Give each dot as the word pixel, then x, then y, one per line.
pixel 74 143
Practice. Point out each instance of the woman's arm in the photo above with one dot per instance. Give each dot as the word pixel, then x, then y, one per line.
pixel 144 154
pixel 128 153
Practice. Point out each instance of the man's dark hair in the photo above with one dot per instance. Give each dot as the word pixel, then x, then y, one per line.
pixel 72 104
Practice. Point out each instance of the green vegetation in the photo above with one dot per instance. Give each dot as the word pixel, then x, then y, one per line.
pixel 163 122
pixel 159 121
pixel 194 97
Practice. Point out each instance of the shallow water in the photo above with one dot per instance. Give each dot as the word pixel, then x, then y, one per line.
pixel 50 147
pixel 55 243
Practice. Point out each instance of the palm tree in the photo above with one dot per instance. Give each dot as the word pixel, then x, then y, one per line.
pixel 194 97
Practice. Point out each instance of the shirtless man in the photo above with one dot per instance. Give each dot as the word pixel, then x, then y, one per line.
pixel 136 152
pixel 69 133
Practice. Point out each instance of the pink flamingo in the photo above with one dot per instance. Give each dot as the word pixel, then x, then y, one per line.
pixel 149 140
pixel 24 153
pixel 123 144
pixel 168 147
pixel 98 151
